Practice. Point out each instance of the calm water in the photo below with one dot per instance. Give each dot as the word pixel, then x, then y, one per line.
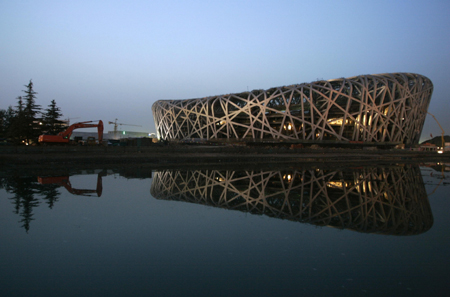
pixel 362 231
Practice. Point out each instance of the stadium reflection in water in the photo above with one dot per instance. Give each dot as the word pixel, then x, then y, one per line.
pixel 385 200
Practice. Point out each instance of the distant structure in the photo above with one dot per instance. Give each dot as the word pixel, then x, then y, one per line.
pixel 383 108
pixel 112 135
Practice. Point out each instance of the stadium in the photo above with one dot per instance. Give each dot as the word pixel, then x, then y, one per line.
pixel 377 109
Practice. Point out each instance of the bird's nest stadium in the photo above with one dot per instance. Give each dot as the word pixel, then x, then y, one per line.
pixel 385 108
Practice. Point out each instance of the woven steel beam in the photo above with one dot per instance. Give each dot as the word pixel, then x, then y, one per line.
pixel 378 108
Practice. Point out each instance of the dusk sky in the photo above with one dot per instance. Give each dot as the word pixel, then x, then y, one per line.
pixel 114 59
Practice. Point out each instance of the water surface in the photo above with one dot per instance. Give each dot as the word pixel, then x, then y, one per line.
pixel 360 231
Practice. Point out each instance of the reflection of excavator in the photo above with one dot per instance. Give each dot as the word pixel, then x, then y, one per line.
pixel 64 136
pixel 64 182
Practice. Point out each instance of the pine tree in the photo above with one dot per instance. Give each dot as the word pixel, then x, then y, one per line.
pixel 3 123
pixel 31 115
pixel 23 123
pixel 51 119
pixel 18 126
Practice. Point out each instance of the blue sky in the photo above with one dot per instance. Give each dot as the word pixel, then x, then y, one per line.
pixel 114 59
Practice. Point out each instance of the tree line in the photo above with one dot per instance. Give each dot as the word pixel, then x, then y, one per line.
pixel 23 123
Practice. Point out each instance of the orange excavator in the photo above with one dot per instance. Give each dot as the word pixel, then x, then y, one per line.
pixel 64 136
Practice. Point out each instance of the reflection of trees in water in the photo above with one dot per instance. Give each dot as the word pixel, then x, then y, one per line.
pixel 50 194
pixel 25 192
pixel 29 191
pixel 389 200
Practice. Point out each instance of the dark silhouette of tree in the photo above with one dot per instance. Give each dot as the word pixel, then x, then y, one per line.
pixel 52 124
pixel 9 117
pixel 50 193
pixel 4 125
pixel 28 203
pixel 25 122
pixel 24 200
pixel 18 125
pixel 33 122
pixel 26 191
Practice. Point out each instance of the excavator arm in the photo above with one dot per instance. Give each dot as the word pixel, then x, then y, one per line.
pixel 64 136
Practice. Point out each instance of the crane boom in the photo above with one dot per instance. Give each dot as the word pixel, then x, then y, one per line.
pixel 442 129
pixel 115 123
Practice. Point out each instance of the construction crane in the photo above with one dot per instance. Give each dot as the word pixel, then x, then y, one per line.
pixel 442 129
pixel 115 123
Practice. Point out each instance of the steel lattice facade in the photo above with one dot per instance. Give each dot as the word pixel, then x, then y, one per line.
pixel 382 108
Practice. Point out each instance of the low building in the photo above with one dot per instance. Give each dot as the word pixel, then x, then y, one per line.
pixel 428 147
pixel 127 134
pixel 82 135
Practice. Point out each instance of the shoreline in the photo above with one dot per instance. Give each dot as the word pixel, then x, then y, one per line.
pixel 195 155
